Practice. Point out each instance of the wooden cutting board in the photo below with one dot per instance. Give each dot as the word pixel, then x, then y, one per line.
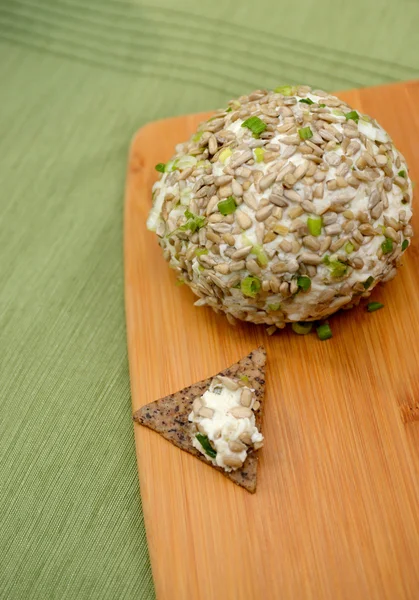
pixel 336 513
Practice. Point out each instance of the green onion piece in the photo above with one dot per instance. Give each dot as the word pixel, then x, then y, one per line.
pixel 160 167
pixel 387 246
pixel 402 173
pixel 256 125
pixel 368 282
pixel 259 152
pixel 250 286
pixel 229 109
pixel 201 251
pixel 224 154
pixel 193 223
pixel 302 328
pixel 201 268
pixel 274 307
pixel 314 225
pixel 337 268
pixel 305 133
pixel 405 244
pixel 206 445
pixel 352 115
pixel 170 166
pixel 338 113
pixel 260 254
pixel 373 306
pixel 244 378
pixel 285 90
pixel 306 101
pixel 227 206
pixel 197 136
pixel 349 248
pixel 179 282
pixel 322 105
pixel 324 332
pixel 304 283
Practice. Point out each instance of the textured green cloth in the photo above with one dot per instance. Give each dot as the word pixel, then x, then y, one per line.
pixel 77 80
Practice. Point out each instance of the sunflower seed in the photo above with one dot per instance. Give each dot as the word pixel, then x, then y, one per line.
pixel 237 188
pixel 222 180
pixel 333 229
pixel 267 181
pixel 241 159
pixel 242 253
pixel 252 266
pixel 205 412
pixel 263 213
pixel 377 210
pixel 241 412
pixel 237 266
pixel 243 219
pixel 246 397
pixel 285 246
pixel 310 258
pixel 228 383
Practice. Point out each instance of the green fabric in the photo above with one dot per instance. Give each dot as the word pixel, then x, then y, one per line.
pixel 77 80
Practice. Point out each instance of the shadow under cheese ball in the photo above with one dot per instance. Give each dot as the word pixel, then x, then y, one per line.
pixel 285 206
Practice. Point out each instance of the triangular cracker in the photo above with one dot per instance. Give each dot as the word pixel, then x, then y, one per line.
pixel 169 415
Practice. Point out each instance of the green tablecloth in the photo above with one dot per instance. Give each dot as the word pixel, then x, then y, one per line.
pixel 77 80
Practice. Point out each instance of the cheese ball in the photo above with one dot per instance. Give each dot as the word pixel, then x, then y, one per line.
pixel 286 206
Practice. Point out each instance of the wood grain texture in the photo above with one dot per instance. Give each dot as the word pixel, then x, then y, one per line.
pixel 336 511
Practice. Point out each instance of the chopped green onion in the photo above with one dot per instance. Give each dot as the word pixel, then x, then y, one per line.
pixel 337 268
pixel 197 136
pixel 285 90
pixel 224 154
pixel 256 125
pixel 274 307
pixel 314 225
pixel 259 152
pixel 227 206
pixel 322 105
pixel 373 306
pixel 402 173
pixel 206 445
pixel 338 113
pixel 201 251
pixel 368 282
pixel 260 254
pixel 387 246
pixel 250 286
pixel 185 162
pixel 229 109
pixel 352 115
pixel 306 101
pixel 324 332
pixel 160 167
pixel 305 133
pixel 405 244
pixel 170 166
pixel 193 223
pixel 179 282
pixel 302 328
pixel 349 248
pixel 244 378
pixel 304 283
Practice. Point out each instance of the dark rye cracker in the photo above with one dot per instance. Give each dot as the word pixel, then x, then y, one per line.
pixel 169 415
